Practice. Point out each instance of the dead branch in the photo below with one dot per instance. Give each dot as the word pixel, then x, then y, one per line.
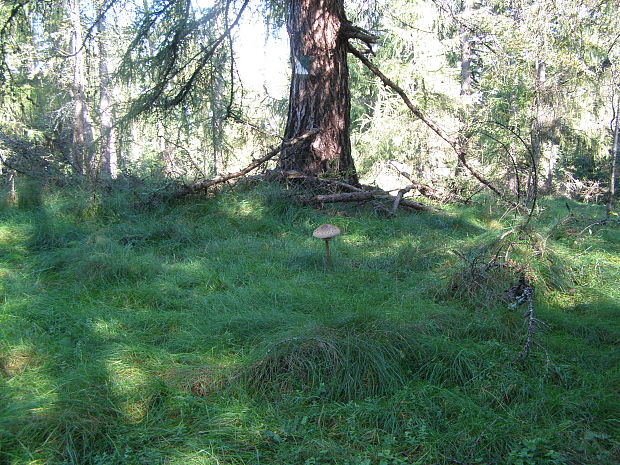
pixel 411 204
pixel 533 325
pixel 399 198
pixel 456 145
pixel 343 197
pixel 206 184
pixel 292 174
pixel 355 194
pixel 351 194
pixel 364 196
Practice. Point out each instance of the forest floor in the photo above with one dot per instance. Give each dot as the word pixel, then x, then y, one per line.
pixel 211 332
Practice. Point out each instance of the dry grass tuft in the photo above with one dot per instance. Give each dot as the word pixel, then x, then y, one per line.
pixel 342 364
pixel 16 362
pixel 208 381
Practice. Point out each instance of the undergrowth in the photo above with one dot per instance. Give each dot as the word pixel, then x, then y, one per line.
pixel 210 331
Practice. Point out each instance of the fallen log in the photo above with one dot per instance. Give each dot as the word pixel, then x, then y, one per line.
pixel 363 196
pixel 343 197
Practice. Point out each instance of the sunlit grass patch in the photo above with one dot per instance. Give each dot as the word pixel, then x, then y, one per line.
pixel 99 260
pixel 211 331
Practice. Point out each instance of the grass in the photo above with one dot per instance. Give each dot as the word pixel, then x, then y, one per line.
pixel 210 332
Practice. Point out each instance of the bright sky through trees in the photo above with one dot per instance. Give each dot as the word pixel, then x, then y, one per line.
pixel 262 58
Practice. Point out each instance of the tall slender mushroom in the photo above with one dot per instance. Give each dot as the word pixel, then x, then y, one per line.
pixel 326 232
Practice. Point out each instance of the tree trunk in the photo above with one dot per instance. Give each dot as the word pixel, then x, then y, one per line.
pixel 82 128
pixel 216 123
pixel 466 76
pixel 166 155
pixel 108 161
pixel 319 94
pixel 611 200
pixel 466 55
pixel 537 132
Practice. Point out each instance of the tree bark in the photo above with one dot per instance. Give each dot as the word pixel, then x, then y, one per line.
pixel 108 157
pixel 319 94
pixel 12 195
pixel 612 169
pixel 467 55
pixel 82 128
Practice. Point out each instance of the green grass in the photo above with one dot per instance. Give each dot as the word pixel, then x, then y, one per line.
pixel 211 332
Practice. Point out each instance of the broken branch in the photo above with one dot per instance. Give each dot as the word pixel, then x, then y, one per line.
pixel 363 196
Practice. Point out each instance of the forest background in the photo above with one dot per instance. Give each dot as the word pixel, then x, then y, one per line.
pixel 140 89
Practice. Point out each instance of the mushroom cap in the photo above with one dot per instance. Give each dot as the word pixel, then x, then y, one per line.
pixel 326 231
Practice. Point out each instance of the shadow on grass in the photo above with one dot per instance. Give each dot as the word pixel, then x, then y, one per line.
pixel 106 326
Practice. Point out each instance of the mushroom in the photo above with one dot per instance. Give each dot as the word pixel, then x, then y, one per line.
pixel 326 232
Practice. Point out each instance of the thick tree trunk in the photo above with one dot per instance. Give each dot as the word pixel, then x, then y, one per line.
pixel 82 128
pixel 108 161
pixel 319 94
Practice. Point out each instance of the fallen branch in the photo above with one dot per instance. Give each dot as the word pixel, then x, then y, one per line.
pixel 206 184
pixel 355 194
pixel 343 197
pixel 292 174
pixel 455 144
pixel 399 198
pixel 410 204
pixel 364 196
pixel 522 293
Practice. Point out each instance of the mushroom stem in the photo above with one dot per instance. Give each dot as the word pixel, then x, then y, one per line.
pixel 327 252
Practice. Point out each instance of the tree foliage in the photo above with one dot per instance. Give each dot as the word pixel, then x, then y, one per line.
pixel 542 98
